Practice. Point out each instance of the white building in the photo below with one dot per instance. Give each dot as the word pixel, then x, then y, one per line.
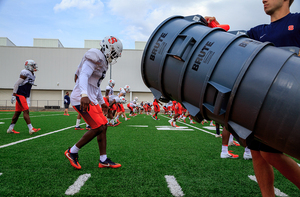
pixel 57 66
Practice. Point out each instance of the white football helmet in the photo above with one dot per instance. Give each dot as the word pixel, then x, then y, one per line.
pixel 111 83
pixel 122 99
pixel 127 88
pixel 31 65
pixel 136 98
pixel 112 48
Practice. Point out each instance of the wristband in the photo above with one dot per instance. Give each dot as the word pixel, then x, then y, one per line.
pixel 84 95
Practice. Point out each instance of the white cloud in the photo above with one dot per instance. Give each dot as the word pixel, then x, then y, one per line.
pixel 94 7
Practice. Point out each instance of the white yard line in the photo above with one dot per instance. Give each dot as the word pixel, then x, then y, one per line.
pixel 137 125
pixel 174 187
pixel 20 141
pixel 35 116
pixel 75 188
pixel 277 191
pixel 191 126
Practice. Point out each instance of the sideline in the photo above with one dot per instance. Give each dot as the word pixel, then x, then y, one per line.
pixel 20 141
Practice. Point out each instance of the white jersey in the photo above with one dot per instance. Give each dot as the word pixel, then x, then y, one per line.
pixel 132 105
pixel 112 98
pixel 111 91
pixel 169 104
pixel 91 71
pixel 25 87
pixel 122 91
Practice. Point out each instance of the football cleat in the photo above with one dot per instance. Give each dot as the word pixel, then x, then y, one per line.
pixel 171 122
pixel 88 128
pixel 233 143
pixel 108 164
pixel 216 135
pixel 247 156
pixel 229 155
pixel 34 130
pixel 73 158
pixel 79 128
pixel 12 131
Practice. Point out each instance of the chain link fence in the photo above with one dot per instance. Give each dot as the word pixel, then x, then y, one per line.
pixel 37 105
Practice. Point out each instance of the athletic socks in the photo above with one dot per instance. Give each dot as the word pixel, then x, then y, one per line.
pixel 30 127
pixel 11 126
pixel 74 149
pixel 103 158
pixel 247 150
pixel 224 149
pixel 77 122
pixel 230 139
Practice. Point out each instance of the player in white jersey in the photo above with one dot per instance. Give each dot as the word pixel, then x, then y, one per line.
pixel 120 107
pixel 109 89
pixel 111 101
pixel 21 94
pixel 86 98
pixel 108 92
pixel 131 106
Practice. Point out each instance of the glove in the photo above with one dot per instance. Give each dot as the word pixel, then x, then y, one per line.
pixel 13 99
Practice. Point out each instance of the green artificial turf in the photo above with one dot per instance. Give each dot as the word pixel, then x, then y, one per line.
pixel 38 167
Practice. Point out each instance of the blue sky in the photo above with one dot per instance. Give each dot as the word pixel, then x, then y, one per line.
pixel 73 21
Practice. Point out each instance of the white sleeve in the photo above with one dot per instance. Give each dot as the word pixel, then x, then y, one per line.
pixel 86 72
pixel 100 98
pixel 16 86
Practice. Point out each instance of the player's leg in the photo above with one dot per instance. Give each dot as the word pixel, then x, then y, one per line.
pixel 285 165
pixel 13 122
pixel 264 174
pixel 225 138
pixel 97 123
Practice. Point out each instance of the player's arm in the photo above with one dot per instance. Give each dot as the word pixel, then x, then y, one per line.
pixel 106 92
pixel 16 86
pixel 86 72
pixel 18 82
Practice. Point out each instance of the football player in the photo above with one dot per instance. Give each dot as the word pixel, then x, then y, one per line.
pixel 111 101
pixel 120 107
pixel 86 98
pixel 156 106
pixel 21 94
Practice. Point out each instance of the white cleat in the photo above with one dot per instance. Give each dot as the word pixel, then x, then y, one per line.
pixel 228 155
pixel 247 156
pixel 170 121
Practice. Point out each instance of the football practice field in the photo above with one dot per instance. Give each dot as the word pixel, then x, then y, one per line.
pixel 157 160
